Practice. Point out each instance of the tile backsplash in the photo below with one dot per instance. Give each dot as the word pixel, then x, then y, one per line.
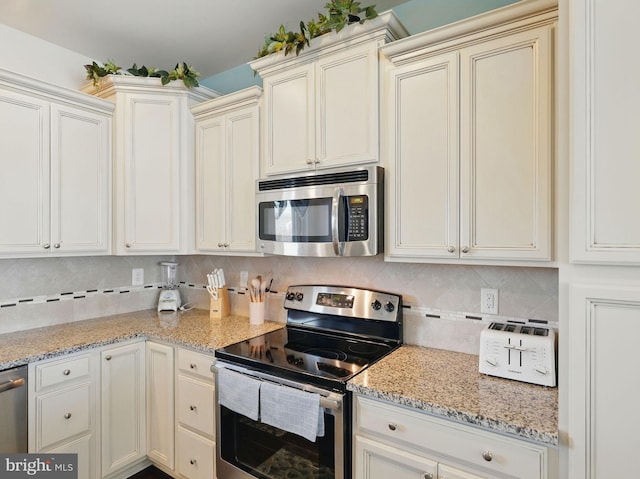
pixel 39 292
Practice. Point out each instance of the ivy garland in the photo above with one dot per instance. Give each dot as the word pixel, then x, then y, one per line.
pixel 340 14
pixel 182 71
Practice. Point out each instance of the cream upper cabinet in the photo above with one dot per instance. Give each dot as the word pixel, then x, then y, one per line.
pixel 57 146
pixel 605 114
pixel 469 140
pixel 154 168
pixel 321 108
pixel 227 165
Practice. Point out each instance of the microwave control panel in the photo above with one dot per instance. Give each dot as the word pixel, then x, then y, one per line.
pixel 358 218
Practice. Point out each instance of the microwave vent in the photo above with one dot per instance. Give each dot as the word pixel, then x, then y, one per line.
pixel 314 180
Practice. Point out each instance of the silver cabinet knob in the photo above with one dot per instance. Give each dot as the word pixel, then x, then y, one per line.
pixel 465 249
pixel 309 161
pixel 67 415
pixel 220 245
pixel 451 249
pixel 192 407
pixel 193 462
pixel 56 245
pixel 428 475
pixel 66 372
pixel 487 456
pixel 46 246
pixel 316 161
pixel 108 357
pixel 127 245
pixel 192 366
pixel 393 426
pixel 226 245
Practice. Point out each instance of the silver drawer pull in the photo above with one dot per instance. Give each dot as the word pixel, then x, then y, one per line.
pixel 193 462
pixel 393 426
pixel 192 407
pixel 66 372
pixel 192 366
pixel 67 415
pixel 487 456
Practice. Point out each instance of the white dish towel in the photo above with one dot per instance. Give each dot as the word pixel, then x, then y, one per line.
pixel 239 392
pixel 292 410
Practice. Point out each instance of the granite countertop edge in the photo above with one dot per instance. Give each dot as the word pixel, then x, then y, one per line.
pixel 548 439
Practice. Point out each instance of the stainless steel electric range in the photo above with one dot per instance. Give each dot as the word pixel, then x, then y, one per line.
pixel 283 406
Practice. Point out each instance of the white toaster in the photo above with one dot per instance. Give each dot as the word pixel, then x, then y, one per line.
pixel 524 352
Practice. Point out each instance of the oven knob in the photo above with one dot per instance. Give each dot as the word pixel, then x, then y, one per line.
pixel 389 307
pixel 291 359
pixel 290 295
pixel 299 296
pixel 376 305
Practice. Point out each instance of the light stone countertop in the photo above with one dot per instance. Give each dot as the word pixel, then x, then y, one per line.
pixel 448 384
pixel 193 329
pixel 443 383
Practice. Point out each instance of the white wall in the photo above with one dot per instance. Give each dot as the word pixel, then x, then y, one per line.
pixel 30 56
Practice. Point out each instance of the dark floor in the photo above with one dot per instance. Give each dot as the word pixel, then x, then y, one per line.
pixel 150 473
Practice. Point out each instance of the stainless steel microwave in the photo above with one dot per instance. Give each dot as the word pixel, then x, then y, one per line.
pixel 326 213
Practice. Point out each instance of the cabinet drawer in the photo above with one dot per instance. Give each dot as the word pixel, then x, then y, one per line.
pixel 196 405
pixel 196 455
pixel 194 363
pixel 62 371
pixel 445 438
pixel 63 414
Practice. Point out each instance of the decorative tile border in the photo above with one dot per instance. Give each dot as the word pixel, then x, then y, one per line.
pixel 409 308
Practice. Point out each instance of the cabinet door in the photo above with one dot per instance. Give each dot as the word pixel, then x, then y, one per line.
pixel 80 180
pixel 160 404
pixel 376 460
pixel 289 125
pixel 151 174
pixel 83 447
pixel 24 184
pixel 423 154
pixel 605 99
pixel 210 184
pixel 603 386
pixel 241 173
pixel 123 406
pixel 448 472
pixel 347 107
pixel 506 112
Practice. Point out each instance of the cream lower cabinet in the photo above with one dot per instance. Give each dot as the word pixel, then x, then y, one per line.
pixel 469 118
pixel 123 403
pixel 62 410
pixel 604 325
pixel 227 166
pixel 392 441
pixel 160 404
pixel 195 412
pixel 55 195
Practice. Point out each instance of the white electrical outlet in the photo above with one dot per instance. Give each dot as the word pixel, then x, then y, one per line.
pixel 244 277
pixel 137 276
pixel 489 301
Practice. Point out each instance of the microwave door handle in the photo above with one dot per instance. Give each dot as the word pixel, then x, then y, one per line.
pixel 338 246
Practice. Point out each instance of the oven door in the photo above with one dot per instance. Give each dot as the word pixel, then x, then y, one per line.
pixel 248 449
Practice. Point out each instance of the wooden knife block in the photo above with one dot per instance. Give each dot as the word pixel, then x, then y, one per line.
pixel 219 308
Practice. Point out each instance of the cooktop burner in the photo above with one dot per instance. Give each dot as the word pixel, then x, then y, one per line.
pixel 332 333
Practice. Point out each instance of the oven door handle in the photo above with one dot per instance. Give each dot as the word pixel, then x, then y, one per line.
pixel 338 246
pixel 328 400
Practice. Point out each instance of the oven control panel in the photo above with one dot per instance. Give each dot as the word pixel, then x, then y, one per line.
pixel 344 301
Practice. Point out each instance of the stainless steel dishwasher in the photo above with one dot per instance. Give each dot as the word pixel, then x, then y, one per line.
pixel 13 410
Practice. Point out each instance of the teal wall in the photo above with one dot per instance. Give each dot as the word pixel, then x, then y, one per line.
pixel 416 15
